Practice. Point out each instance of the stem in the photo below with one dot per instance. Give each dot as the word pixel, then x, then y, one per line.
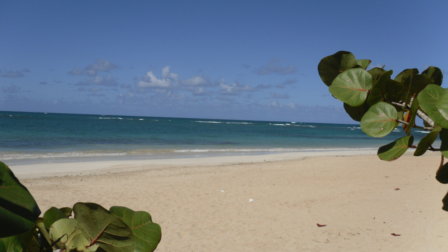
pixel 441 160
pixel 402 105
pixel 403 122
pixel 423 128
pixel 43 231
pixel 434 149
pixel 425 117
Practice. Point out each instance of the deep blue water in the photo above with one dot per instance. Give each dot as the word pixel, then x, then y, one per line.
pixel 31 136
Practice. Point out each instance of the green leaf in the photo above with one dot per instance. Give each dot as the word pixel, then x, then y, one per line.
pixel 406 78
pixel 445 202
pixel 146 234
pixel 352 86
pixel 330 66
pixel 406 75
pixel 434 74
pixel 385 89
pixel 356 113
pixel 364 63
pixel 426 141
pixel 433 101
pixel 19 243
pixel 18 209
pixel 444 145
pixel 395 149
pixel 378 73
pixel 442 174
pixel 413 114
pixel 69 235
pixel 67 211
pixel 379 120
pixel 101 226
pixel 51 215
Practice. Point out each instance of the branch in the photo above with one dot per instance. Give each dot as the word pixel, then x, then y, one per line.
pixel 400 104
pixel 425 117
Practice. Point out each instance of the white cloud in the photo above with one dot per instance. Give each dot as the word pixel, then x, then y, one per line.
pixel 233 88
pixel 13 73
pixel 196 81
pixel 99 81
pixel 95 68
pixel 276 67
pixel 167 80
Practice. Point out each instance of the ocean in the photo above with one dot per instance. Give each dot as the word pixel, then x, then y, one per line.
pixel 50 137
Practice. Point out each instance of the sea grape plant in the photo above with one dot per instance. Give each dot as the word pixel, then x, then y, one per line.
pixel 381 103
pixel 85 227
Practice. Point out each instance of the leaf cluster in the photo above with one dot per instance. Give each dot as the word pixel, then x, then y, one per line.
pixel 381 103
pixel 85 227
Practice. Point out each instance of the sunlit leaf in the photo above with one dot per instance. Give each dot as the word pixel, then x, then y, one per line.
pixel 330 66
pixel 434 101
pixel 379 120
pixel 364 63
pixel 146 234
pixel 102 226
pixel 51 215
pixel 352 86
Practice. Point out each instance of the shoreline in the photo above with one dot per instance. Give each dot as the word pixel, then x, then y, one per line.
pixel 57 168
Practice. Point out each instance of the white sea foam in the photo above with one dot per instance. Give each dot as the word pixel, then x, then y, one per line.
pixel 305 126
pixel 109 118
pixel 239 123
pixel 157 153
pixel 214 122
pixel 53 155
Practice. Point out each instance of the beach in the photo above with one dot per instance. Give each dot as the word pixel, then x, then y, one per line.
pixel 277 202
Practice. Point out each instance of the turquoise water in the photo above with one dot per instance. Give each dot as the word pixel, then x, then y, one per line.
pixel 41 137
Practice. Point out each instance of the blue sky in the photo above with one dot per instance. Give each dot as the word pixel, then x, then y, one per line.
pixel 204 59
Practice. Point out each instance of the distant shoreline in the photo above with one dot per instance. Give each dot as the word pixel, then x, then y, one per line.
pixel 62 167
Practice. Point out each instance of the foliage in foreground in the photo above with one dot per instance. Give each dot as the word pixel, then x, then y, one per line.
pixel 85 227
pixel 381 103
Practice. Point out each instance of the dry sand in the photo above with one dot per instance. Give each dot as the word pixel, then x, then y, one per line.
pixel 249 204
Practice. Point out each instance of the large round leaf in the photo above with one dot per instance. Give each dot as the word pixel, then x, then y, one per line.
pixel 444 145
pixel 379 120
pixel 330 66
pixel 434 101
pixel 426 141
pixel 442 174
pixel 146 234
pixel 102 227
pixel 69 235
pixel 18 209
pixel 22 242
pixel 52 215
pixel 445 202
pixel 395 149
pixel 352 86
pixel 364 63
pixel 356 113
pixel 434 74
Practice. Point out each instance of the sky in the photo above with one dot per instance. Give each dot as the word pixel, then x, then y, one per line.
pixel 246 59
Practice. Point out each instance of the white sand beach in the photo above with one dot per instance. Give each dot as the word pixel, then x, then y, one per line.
pixel 283 202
